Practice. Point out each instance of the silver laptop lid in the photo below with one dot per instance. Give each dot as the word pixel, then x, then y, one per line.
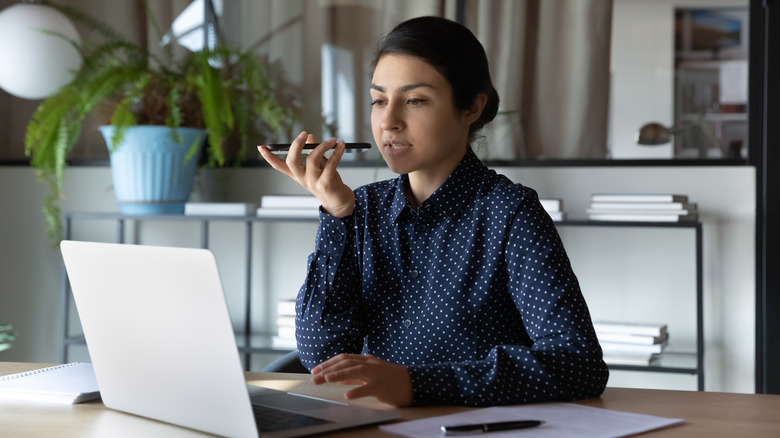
pixel 183 370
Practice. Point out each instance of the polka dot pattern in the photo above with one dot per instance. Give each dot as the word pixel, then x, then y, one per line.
pixel 473 292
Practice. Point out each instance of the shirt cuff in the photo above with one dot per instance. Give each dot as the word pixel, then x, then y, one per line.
pixel 332 233
pixel 433 384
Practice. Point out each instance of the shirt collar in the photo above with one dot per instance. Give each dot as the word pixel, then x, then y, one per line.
pixel 453 194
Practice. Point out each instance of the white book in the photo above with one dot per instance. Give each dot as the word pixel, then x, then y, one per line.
pixel 627 217
pixel 635 328
pixel 631 359
pixel 663 206
pixel 552 204
pixel 286 332
pixel 68 384
pixel 629 338
pixel 285 308
pixel 616 348
pixel 641 212
pixel 289 201
pixel 288 212
pixel 219 208
pixel 285 321
pixel 557 216
pixel 280 342
pixel 638 197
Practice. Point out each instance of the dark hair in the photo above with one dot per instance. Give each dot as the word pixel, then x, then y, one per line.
pixel 454 52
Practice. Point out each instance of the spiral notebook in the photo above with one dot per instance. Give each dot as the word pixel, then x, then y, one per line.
pixel 70 383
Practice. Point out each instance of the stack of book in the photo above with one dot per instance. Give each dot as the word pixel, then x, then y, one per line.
pixel 554 207
pixel 642 207
pixel 289 206
pixel 285 325
pixel 631 343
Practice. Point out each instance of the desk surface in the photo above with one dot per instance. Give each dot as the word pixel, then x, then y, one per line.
pixel 706 414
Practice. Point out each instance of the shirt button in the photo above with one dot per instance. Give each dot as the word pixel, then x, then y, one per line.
pixel 408 323
pixel 414 273
pixel 337 237
pixel 419 228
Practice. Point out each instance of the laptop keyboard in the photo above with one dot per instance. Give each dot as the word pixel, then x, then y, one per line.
pixel 271 419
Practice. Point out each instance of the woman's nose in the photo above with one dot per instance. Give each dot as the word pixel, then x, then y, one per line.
pixel 391 118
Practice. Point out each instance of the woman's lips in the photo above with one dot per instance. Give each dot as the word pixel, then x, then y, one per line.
pixel 396 145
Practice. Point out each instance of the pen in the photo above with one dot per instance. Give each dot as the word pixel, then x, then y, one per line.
pixel 471 429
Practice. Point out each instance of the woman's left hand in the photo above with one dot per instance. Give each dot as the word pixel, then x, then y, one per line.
pixel 388 382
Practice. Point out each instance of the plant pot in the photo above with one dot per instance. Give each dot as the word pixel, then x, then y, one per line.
pixel 151 172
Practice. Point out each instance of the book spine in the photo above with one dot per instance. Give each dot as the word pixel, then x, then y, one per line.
pixel 628 328
pixel 663 206
pixel 218 208
pixel 638 197
pixel 619 211
pixel 293 201
pixel 641 218
pixel 288 212
pixel 614 348
pixel 551 204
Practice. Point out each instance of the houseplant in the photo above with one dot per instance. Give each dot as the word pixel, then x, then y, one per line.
pixel 232 94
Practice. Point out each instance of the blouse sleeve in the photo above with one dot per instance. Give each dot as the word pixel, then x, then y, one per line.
pixel 327 308
pixel 564 360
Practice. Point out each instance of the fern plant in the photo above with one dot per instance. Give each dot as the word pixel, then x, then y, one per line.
pixel 234 95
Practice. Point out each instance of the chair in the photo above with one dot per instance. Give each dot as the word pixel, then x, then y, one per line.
pixel 288 363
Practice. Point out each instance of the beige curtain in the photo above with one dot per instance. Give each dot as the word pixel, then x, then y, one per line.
pixel 550 65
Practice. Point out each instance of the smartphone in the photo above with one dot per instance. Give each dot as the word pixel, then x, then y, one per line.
pixel 284 148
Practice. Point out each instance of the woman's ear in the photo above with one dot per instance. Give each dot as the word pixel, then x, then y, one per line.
pixel 472 114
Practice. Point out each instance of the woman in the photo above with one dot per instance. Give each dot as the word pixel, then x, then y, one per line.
pixel 448 284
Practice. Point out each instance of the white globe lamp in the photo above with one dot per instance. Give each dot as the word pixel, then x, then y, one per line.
pixel 35 64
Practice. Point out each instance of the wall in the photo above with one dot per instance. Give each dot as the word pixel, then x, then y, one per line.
pixel 660 268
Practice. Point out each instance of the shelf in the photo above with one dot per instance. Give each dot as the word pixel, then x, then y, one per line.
pixel 260 343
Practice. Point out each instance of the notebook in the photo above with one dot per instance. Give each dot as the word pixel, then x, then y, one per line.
pixel 162 344
pixel 69 383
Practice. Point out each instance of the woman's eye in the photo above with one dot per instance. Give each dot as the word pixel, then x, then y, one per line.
pixel 377 102
pixel 415 102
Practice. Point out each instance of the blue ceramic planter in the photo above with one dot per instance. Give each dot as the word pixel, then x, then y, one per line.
pixel 150 172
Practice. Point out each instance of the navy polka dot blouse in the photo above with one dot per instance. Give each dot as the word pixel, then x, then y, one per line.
pixel 472 292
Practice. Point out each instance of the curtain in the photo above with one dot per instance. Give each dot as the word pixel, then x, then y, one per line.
pixel 550 65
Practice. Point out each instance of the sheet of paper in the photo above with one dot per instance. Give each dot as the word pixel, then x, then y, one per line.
pixel 561 420
pixel 733 82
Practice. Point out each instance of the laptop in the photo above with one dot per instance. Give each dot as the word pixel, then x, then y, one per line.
pixel 162 345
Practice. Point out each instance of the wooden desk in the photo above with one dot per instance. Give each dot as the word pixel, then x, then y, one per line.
pixel 706 414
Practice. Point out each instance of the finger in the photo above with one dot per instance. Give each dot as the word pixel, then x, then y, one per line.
pixel 311 138
pixel 294 162
pixel 354 372
pixel 335 361
pixel 317 155
pixel 367 390
pixel 275 162
pixel 330 166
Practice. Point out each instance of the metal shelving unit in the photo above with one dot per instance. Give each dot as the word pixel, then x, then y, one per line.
pixel 691 363
pixel 250 342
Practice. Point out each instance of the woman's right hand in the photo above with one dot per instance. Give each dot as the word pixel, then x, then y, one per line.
pixel 317 174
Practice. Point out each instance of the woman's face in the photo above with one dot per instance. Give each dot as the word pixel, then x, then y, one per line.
pixel 414 120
